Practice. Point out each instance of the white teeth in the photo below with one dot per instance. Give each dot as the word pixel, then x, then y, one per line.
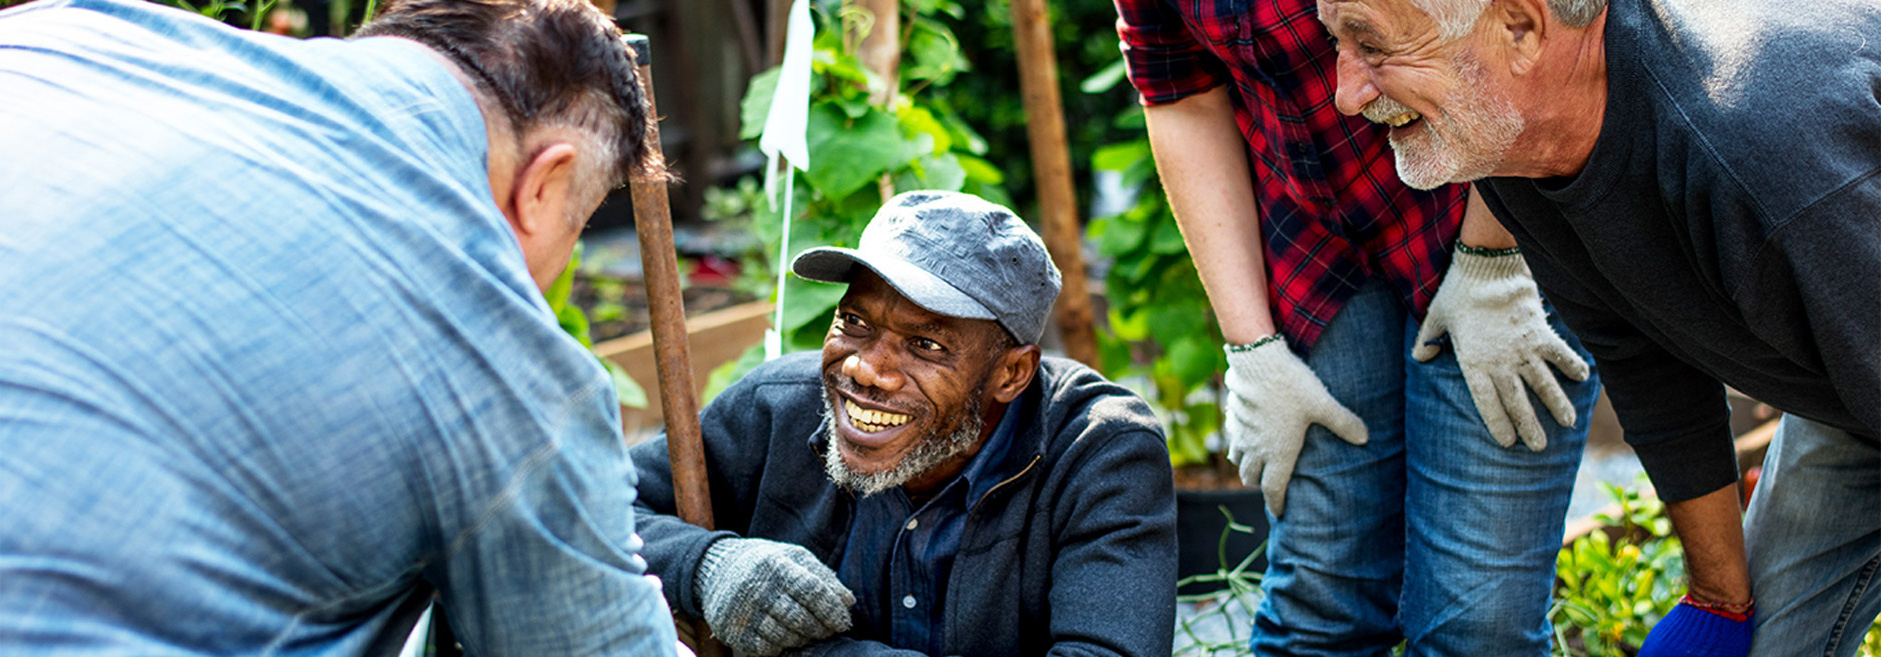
pixel 872 421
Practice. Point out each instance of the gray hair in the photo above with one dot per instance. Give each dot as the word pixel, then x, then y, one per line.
pixel 546 63
pixel 1456 17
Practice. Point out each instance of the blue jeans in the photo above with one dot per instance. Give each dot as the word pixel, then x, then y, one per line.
pixel 1814 537
pixel 1432 532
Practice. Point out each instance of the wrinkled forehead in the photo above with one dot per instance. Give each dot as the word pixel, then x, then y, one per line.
pixel 1381 20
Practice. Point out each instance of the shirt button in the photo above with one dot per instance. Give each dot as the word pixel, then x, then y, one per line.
pixel 907 601
pixel 913 523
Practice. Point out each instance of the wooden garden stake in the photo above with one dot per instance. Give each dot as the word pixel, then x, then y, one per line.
pixel 880 50
pixel 1051 167
pixel 672 354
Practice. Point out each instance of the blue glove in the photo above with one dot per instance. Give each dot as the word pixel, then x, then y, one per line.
pixel 1691 631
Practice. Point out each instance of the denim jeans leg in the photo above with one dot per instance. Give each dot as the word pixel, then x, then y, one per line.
pixel 1814 538
pixel 1484 521
pixel 1336 556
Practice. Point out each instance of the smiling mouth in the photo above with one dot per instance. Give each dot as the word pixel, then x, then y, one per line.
pixel 871 421
pixel 1402 119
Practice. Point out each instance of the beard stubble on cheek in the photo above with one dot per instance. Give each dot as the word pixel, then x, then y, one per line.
pixel 1471 139
pixel 935 446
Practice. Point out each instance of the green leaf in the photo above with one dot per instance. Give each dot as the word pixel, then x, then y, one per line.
pixel 964 133
pixel 918 120
pixel 1120 157
pixel 757 103
pixel 1121 234
pixel 1194 359
pixel 1187 448
pixel 1133 328
pixel 1104 78
pixel 557 294
pixel 1131 118
pixel 941 172
pixel 846 155
pixel 575 323
pixel 809 301
pixel 933 53
pixel 854 106
pixel 979 171
pixel 1166 238
pixel 1113 353
pixel 915 146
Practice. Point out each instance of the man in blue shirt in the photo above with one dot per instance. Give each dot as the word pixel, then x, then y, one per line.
pixel 274 358
pixel 928 484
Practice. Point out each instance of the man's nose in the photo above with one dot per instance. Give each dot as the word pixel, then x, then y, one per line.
pixel 871 368
pixel 1355 89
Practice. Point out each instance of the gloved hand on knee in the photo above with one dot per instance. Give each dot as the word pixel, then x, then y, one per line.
pixel 762 597
pixel 1491 309
pixel 1696 629
pixel 1273 398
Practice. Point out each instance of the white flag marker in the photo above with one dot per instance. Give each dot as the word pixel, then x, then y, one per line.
pixel 785 128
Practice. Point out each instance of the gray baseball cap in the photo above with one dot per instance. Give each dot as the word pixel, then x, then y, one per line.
pixel 954 254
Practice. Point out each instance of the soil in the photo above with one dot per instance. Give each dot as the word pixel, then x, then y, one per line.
pixel 1220 476
pixel 628 298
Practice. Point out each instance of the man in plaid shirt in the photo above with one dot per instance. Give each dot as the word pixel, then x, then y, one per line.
pixel 1337 287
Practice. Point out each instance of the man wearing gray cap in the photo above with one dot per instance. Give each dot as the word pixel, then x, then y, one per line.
pixel 932 485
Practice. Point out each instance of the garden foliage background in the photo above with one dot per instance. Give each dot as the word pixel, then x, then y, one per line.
pixel 957 123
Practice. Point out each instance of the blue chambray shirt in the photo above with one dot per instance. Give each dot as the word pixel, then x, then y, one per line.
pixel 899 557
pixel 271 362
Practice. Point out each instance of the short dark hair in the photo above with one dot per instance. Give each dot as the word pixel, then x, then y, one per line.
pixel 546 62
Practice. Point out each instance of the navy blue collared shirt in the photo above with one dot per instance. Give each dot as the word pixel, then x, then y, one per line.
pixel 899 556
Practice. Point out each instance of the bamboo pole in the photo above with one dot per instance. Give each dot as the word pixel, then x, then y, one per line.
pixel 880 50
pixel 672 354
pixel 1051 168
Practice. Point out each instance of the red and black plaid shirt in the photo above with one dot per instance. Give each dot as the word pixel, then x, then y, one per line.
pixel 1333 212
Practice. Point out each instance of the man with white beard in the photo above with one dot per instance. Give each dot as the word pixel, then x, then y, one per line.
pixel 1337 288
pixel 929 484
pixel 1699 185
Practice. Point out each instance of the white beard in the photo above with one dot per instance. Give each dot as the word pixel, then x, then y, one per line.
pixel 1479 126
pixel 931 451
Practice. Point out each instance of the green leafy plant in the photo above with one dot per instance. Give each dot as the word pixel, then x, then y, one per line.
pixel 1089 72
pixel 1160 322
pixel 1613 588
pixel 858 152
pixel 575 322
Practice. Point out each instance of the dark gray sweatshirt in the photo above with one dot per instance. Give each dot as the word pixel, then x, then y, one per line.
pixel 1727 227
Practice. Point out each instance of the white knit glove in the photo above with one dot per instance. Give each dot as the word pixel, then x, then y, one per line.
pixel 1273 398
pixel 1492 311
pixel 762 597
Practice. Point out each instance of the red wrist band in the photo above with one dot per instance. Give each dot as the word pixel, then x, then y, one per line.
pixel 1739 613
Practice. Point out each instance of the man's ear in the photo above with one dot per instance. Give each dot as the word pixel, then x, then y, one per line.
pixel 1521 25
pixel 1013 372
pixel 540 196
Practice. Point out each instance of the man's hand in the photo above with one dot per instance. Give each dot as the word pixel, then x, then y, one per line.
pixel 762 597
pixel 1273 398
pixel 1697 629
pixel 1490 307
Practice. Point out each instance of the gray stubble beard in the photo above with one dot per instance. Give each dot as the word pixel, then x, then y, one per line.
pixel 1483 125
pixel 933 450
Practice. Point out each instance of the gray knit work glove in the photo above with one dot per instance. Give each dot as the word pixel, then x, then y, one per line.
pixel 1493 313
pixel 762 597
pixel 1273 398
